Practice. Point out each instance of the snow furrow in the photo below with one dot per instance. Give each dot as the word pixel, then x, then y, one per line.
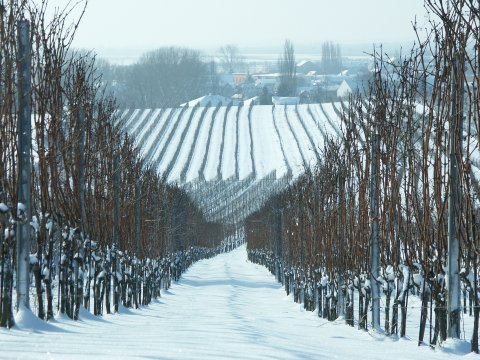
pixel 322 121
pixel 252 144
pixel 195 166
pixel 282 145
pixel 165 162
pixel 292 152
pixel 307 148
pixel 331 117
pixel 244 144
pixel 153 132
pixel 295 137
pixel 201 116
pixel 150 127
pixel 140 123
pixel 222 144
pixel 311 127
pixel 268 153
pixel 303 118
pixel 180 158
pixel 214 145
pixel 230 143
pixel 169 131
pixel 130 121
pixel 118 121
pixel 207 144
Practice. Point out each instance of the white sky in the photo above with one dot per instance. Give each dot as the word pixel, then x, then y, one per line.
pixel 147 24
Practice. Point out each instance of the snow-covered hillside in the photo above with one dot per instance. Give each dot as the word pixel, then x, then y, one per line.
pixel 224 307
pixel 231 159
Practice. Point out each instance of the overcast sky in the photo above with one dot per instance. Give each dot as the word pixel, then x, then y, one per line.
pixel 208 24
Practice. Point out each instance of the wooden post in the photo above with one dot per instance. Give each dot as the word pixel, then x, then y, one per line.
pixel 453 280
pixel 341 238
pixel 81 168
pixel 374 246
pixel 138 195
pixel 279 241
pixel 24 163
pixel 116 224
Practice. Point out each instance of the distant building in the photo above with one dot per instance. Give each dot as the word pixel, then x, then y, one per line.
pixel 306 66
pixel 239 78
pixel 344 90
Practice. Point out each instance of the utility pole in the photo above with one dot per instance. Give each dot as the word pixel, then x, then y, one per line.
pixel 453 280
pixel 24 163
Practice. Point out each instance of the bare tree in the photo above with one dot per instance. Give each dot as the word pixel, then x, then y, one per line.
pixel 230 58
pixel 331 58
pixel 288 71
pixel 164 77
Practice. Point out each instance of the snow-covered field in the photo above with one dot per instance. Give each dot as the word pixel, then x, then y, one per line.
pixel 222 308
pixel 190 149
pixel 296 136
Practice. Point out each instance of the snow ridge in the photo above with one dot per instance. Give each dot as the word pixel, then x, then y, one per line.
pixel 183 175
pixel 222 145
pixel 204 162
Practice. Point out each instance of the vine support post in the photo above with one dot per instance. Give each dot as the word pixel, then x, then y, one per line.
pixel 138 204
pixel 374 241
pixel 24 163
pixel 453 279
pixel 116 224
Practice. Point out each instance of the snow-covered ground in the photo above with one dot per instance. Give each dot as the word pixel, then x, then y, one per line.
pixel 222 308
pixel 185 147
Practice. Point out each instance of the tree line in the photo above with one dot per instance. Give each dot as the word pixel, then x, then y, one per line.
pixel 391 209
pixel 100 222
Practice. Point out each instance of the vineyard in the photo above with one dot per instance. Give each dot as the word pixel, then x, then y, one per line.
pixel 365 210
pixel 231 159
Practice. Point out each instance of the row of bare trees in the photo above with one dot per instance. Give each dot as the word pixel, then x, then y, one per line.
pixel 99 215
pixel 392 207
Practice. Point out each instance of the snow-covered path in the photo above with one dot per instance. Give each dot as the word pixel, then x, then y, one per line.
pixel 226 308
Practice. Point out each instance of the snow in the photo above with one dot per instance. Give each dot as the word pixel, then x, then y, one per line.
pixel 292 152
pixel 186 145
pixel 225 307
pixel 244 144
pixel 200 147
pixel 3 208
pixel 159 135
pixel 144 138
pixel 268 153
pixel 159 144
pixel 172 142
pixel 130 120
pixel 118 120
pixel 215 145
pixel 229 161
pixel 211 101
pixel 311 125
pixel 306 146
pixel 324 122
pixel 8 233
pixel 21 207
pixel 140 121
